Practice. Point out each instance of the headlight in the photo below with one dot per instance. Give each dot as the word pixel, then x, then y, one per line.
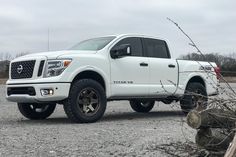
pixel 56 67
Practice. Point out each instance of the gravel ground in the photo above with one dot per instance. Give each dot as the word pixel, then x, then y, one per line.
pixel 121 132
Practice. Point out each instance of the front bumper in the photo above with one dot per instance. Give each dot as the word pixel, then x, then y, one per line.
pixel 61 92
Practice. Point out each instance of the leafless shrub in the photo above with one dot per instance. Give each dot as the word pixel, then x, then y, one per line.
pixel 225 102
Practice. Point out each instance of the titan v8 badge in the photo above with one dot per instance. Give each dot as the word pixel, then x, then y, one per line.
pixel 123 82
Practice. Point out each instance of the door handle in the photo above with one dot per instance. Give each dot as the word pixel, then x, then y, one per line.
pixel 143 64
pixel 171 66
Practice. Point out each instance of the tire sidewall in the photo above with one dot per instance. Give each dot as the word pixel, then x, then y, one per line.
pixel 136 106
pixel 26 111
pixel 77 87
pixel 187 102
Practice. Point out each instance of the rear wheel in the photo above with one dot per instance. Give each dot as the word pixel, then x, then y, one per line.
pixel 195 97
pixel 142 105
pixel 36 111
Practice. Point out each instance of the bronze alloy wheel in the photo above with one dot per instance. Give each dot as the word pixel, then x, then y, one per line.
pixel 88 101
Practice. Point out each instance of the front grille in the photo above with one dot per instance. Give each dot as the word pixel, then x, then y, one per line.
pixel 21 90
pixel 23 69
pixel 41 68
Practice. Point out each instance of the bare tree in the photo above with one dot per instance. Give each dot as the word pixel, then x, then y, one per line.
pixel 6 56
pixel 21 54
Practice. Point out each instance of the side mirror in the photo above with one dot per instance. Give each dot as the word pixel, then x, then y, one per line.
pixel 120 51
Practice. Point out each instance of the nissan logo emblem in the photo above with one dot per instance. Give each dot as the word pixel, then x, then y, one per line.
pixel 19 69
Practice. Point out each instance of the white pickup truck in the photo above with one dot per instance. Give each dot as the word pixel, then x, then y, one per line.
pixel 137 68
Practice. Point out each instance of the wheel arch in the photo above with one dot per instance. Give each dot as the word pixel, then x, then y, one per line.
pixel 197 79
pixel 90 74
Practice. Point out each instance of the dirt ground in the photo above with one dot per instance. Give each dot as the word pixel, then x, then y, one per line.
pixel 121 132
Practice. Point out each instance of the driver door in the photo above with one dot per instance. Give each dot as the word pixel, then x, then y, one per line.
pixel 130 74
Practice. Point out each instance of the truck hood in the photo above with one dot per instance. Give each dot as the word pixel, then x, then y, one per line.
pixel 56 54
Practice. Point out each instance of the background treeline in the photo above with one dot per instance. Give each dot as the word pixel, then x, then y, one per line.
pixel 227 63
pixel 9 56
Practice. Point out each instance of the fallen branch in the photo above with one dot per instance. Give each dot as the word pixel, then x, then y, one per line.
pixel 231 151
pixel 211 118
pixel 213 139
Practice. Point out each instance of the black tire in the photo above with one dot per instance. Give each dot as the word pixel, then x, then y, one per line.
pixel 141 105
pixel 36 111
pixel 86 102
pixel 195 97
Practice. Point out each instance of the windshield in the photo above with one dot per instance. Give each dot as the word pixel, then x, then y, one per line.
pixel 93 44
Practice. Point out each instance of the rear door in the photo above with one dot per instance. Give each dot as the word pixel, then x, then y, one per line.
pixel 129 74
pixel 163 75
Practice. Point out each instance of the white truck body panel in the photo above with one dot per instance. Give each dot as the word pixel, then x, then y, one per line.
pixel 128 69
pixel 190 69
pixel 162 78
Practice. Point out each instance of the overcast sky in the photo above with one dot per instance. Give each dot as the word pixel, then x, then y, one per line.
pixel 24 23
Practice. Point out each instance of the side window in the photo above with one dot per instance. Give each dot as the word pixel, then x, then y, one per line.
pixel 135 43
pixel 156 48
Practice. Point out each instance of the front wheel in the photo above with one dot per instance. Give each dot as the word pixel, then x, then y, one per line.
pixel 141 105
pixel 86 102
pixel 195 97
pixel 36 111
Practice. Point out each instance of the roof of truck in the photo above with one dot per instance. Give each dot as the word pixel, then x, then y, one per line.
pixel 138 35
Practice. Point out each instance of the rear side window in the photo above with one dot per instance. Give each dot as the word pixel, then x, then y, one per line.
pixel 135 43
pixel 156 48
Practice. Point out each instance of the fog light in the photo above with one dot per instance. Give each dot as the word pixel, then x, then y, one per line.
pixel 45 92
